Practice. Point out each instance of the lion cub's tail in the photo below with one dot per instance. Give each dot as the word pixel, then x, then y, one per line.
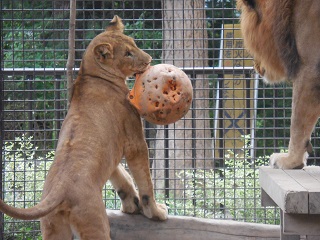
pixel 48 204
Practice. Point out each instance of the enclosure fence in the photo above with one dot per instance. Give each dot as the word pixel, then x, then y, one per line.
pixel 205 165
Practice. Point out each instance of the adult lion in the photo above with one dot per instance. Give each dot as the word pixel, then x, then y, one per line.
pixel 283 38
pixel 100 128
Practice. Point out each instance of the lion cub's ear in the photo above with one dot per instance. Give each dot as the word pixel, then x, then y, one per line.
pixel 116 24
pixel 103 51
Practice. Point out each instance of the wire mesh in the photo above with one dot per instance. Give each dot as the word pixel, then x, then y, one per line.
pixel 205 165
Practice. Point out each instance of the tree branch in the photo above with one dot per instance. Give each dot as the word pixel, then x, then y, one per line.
pixel 71 51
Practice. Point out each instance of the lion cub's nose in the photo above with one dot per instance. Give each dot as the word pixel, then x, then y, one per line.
pixel 148 63
pixel 150 59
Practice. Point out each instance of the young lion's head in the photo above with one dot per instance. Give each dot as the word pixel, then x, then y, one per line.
pixel 113 54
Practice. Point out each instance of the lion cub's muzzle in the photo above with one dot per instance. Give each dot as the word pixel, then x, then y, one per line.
pixel 144 65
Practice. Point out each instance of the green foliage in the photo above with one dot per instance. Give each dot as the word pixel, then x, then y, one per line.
pixel 26 42
pixel 219 12
pixel 30 42
pixel 273 118
pixel 23 180
pixel 23 170
pixel 232 192
pixel 146 37
pixel 24 174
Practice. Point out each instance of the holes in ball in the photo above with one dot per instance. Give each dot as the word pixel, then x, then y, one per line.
pixel 173 85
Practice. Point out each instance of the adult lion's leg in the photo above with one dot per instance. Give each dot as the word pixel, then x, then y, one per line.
pixel 123 184
pixel 305 113
pixel 139 166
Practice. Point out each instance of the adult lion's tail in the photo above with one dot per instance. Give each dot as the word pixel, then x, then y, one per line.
pixel 48 204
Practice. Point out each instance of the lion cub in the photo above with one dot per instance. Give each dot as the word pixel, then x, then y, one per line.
pixel 100 128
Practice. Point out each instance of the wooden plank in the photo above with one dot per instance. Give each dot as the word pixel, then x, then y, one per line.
pixel 314 199
pixel 266 200
pixel 138 227
pixel 313 171
pixel 309 181
pixel 303 224
pixel 283 235
pixel 312 237
pixel 290 196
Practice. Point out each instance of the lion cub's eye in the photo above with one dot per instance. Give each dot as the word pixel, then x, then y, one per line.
pixel 128 54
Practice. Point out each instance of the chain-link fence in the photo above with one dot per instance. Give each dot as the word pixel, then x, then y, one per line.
pixel 205 165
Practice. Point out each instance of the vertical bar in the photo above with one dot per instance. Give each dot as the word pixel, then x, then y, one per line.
pixel 1 144
pixel 57 110
pixel 71 52
pixel 193 144
pixel 147 127
pixel 275 119
pixel 29 98
pixel 1 116
pixel 166 163
pixel 222 149
pixel 193 124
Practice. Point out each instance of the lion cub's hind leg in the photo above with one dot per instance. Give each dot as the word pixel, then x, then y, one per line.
pixel 124 186
pixel 88 217
pixel 53 226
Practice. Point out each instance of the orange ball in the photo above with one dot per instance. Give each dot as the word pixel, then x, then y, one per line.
pixel 162 94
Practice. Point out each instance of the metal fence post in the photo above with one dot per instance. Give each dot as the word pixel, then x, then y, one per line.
pixel 1 118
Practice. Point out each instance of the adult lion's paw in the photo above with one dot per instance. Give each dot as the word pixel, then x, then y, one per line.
pixel 285 161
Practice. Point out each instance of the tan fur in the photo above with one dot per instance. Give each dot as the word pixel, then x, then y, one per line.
pixel 283 38
pixel 100 128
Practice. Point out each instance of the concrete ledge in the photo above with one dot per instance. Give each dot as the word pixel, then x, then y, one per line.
pixel 138 227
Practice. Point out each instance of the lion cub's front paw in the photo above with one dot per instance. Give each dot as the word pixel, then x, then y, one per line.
pixel 285 161
pixel 162 212
pixel 129 202
pixel 154 211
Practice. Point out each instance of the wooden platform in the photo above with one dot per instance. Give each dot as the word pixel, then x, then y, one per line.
pixel 297 193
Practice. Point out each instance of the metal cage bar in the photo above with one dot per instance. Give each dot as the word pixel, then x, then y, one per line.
pixel 204 165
